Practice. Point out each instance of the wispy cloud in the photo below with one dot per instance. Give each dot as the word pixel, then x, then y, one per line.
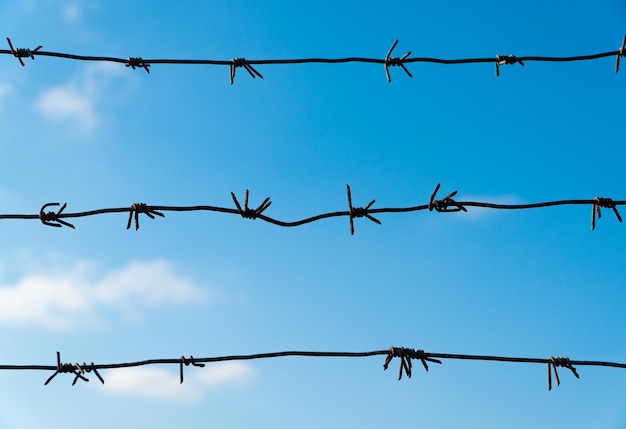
pixel 69 103
pixel 165 384
pixel 5 89
pixel 77 296
pixel 69 11
pixel 77 103
pixel 72 12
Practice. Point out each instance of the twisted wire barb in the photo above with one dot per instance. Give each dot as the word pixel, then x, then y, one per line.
pixel 358 211
pixel 595 209
pixel 241 62
pixel 554 362
pixel 138 208
pixel 77 369
pixel 187 362
pixel 22 52
pixel 248 65
pixel 503 59
pixel 396 61
pixel 138 62
pixel 248 213
pixel 51 218
pixel 445 205
pixel 404 354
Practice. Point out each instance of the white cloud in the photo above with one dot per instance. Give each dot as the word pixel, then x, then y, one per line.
pixel 72 12
pixel 5 89
pixel 78 102
pixel 217 374
pixel 159 383
pixel 75 297
pixel 69 103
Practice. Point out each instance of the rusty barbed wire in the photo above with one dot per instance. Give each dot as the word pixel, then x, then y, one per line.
pixel 138 208
pixel 406 355
pixel 444 205
pixel 248 65
pixel 76 369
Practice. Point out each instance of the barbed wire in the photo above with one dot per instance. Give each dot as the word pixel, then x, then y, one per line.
pixel 406 355
pixel 248 65
pixel 445 205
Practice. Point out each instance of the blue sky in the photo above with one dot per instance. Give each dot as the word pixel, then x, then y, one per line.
pixel 526 283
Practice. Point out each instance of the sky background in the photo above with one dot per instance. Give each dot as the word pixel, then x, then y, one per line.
pixel 530 283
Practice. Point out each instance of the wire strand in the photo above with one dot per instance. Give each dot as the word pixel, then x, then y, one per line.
pixel 405 355
pixel 388 61
pixel 446 204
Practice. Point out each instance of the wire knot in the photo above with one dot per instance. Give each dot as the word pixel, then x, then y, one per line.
pixel 554 362
pixel 187 362
pixel 76 369
pixel 405 355
pixel 248 213
pixel 506 59
pixel 239 62
pixel 601 202
pixel 20 53
pixel 242 62
pixel 138 62
pixel 444 204
pixel 395 61
pixel 138 208
pixel 358 211
pixel 51 218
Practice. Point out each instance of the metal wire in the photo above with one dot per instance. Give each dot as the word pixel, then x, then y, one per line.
pixel 248 65
pixel 446 205
pixel 404 354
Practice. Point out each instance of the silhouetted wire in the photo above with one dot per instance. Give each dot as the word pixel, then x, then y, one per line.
pixel 404 354
pixel 248 65
pixel 446 204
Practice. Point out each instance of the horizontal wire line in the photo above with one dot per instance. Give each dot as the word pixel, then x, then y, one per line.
pixel 447 204
pixel 405 354
pixel 139 62
pixel 319 60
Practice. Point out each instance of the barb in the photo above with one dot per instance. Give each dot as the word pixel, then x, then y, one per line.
pixel 241 62
pixel 75 369
pixel 405 355
pixel 138 63
pixel 187 362
pixel 595 209
pixel 358 211
pixel 553 362
pixel 248 213
pixel 22 52
pixel 138 208
pixel 446 205
pixel 51 217
pixel 395 61
pixel 503 59
pixel 248 65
